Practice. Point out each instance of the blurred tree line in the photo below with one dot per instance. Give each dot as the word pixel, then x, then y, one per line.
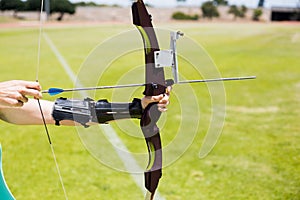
pixel 56 6
pixel 210 10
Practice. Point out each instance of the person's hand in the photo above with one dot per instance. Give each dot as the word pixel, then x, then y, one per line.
pixel 162 100
pixel 14 93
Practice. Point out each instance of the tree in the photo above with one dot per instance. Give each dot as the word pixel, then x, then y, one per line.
pixel 62 7
pixel 237 12
pixel 182 16
pixel 209 10
pixel 244 9
pixel 234 10
pixel 257 13
pixel 83 4
pixel 14 5
pixel 56 6
pixel 33 5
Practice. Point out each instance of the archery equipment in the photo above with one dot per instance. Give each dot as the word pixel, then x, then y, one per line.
pixel 90 111
pixel 155 84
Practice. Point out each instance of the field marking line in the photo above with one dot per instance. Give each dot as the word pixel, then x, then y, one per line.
pixel 127 159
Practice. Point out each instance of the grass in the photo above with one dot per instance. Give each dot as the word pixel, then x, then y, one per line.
pixel 257 156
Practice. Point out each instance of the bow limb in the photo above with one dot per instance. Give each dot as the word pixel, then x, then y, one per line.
pixel 154 85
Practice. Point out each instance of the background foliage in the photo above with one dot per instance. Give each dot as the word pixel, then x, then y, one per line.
pixel 56 6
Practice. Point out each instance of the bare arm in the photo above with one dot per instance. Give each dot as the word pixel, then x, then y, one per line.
pixel 16 108
pixel 28 114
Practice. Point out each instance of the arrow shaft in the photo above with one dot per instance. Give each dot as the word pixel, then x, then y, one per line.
pixel 143 84
pixel 99 88
pixel 218 80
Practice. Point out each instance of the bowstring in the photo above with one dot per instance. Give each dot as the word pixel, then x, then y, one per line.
pixel 39 103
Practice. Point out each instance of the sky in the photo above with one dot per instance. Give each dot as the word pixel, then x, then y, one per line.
pixel 172 3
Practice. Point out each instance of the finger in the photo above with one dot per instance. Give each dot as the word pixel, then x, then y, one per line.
pixel 163 104
pixel 19 97
pixel 19 104
pixel 152 99
pixel 31 85
pixel 16 96
pixel 162 109
pixel 23 99
pixel 146 100
pixel 31 92
pixel 157 98
pixel 165 100
pixel 10 102
pixel 168 90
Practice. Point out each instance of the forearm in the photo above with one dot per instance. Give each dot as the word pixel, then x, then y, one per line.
pixel 28 114
pixel 68 114
pixel 74 112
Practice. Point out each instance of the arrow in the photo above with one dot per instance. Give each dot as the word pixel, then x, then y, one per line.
pixel 56 91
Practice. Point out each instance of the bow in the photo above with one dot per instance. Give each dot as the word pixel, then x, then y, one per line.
pixel 155 85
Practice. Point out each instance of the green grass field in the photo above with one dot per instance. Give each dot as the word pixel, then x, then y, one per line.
pixel 256 157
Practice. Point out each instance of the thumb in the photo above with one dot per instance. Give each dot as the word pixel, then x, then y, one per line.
pixel 156 98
